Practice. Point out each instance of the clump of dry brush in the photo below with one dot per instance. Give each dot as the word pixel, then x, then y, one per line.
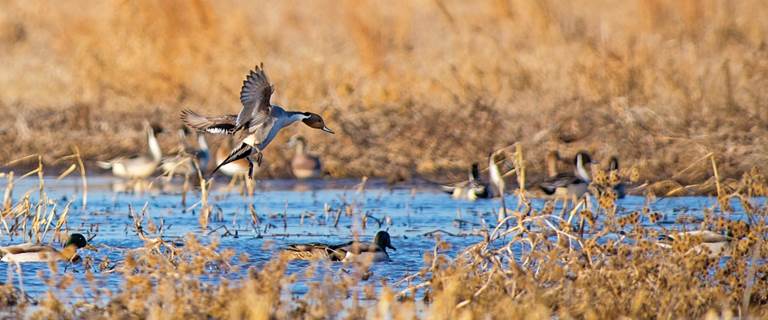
pixel 590 263
pixel 614 269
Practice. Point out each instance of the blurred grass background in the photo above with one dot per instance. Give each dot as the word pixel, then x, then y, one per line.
pixel 419 87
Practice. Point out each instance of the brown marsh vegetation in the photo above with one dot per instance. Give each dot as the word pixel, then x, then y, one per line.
pixel 537 266
pixel 658 83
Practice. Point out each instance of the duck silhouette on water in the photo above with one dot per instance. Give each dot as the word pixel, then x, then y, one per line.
pixel 375 251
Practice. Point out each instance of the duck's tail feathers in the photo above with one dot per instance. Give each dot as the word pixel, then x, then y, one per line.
pixel 241 152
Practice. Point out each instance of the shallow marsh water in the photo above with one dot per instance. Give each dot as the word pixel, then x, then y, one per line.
pixel 292 212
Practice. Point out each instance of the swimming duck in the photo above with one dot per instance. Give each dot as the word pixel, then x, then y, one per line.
pixel 180 163
pixel 703 242
pixel 567 184
pixel 137 167
pixel 347 252
pixel 233 168
pixel 471 189
pixel 497 179
pixel 30 252
pixel 613 168
pixel 304 165
pixel 256 125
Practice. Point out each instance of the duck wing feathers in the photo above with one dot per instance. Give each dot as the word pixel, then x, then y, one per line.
pixel 211 124
pixel 330 251
pixel 254 95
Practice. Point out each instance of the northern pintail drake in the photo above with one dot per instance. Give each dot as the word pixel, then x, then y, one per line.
pixel 30 252
pixel 471 189
pixel 256 125
pixel 234 168
pixel 348 252
pixel 567 184
pixel 182 163
pixel 613 169
pixel 497 179
pixel 707 242
pixel 304 165
pixel 137 167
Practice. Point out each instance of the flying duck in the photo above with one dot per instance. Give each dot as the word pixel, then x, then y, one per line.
pixel 30 252
pixel 256 125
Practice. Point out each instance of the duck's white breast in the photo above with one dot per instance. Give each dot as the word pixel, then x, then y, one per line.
pixel 29 257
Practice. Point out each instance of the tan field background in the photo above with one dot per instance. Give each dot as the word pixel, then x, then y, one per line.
pixel 411 87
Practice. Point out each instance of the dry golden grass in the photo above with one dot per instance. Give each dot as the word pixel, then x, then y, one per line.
pixel 411 87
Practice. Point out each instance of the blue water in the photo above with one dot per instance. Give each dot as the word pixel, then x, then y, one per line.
pixel 290 212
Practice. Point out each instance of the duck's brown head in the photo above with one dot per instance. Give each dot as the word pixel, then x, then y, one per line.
pixel 314 120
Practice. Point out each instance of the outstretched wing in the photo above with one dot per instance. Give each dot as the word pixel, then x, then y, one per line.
pixel 217 125
pixel 254 95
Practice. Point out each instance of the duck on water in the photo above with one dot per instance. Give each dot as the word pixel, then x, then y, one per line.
pixel 568 184
pixel 34 252
pixel 375 251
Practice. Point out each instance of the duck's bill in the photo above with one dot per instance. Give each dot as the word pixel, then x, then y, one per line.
pixel 326 129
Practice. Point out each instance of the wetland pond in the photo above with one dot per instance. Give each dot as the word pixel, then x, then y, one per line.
pixel 290 211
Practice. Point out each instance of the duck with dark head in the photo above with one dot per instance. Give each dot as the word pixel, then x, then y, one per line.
pixel 35 252
pixel 314 120
pixel 571 184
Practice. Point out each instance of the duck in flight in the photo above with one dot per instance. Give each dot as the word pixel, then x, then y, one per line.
pixel 256 125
